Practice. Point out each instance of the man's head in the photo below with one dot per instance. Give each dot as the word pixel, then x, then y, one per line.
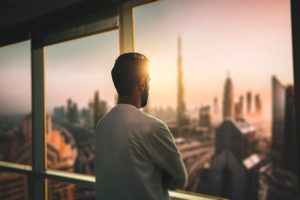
pixel 131 77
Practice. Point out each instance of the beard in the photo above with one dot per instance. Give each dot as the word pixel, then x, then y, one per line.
pixel 144 98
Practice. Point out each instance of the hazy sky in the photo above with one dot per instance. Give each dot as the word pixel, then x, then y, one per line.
pixel 251 39
pixel 76 69
pixel 15 78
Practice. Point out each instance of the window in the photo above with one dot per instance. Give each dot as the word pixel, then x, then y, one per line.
pixel 212 68
pixel 79 91
pixel 206 54
pixel 15 103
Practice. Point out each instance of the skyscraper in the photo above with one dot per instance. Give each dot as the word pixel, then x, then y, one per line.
pixel 228 104
pixel 278 102
pixel 69 110
pixel 181 118
pixel 242 103
pixel 99 108
pixel 234 167
pixel 249 101
pixel 96 110
pixel 237 110
pixel 290 152
pixel 72 112
pixel 284 146
pixel 258 106
pixel 216 106
pixel 284 154
pixel 204 117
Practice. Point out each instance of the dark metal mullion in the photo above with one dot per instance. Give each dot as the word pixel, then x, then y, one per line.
pixel 38 120
pixel 80 31
pixel 295 14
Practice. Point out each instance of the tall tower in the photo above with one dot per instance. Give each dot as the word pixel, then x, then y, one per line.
pixel 249 101
pixel 241 101
pixel 228 105
pixel 90 117
pixel 96 109
pixel 181 119
pixel 216 106
pixel 258 104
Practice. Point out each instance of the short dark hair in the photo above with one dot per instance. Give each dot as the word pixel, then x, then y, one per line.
pixel 129 68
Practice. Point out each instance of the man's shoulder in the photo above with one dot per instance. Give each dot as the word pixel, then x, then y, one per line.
pixel 154 121
pixel 131 116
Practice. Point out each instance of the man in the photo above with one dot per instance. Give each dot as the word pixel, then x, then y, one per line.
pixel 136 155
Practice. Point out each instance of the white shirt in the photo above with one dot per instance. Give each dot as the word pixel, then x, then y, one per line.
pixel 136 157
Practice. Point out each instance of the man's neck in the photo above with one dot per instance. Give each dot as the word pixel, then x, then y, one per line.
pixel 130 100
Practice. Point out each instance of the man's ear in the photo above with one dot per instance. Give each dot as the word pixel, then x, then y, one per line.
pixel 142 84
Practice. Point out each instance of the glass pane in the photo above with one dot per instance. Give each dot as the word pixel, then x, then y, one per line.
pixel 79 91
pixel 15 103
pixel 14 186
pixel 58 190
pixel 221 77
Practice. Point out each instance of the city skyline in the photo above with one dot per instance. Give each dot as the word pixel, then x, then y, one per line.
pixel 255 46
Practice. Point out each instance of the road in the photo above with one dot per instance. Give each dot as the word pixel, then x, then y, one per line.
pixel 195 155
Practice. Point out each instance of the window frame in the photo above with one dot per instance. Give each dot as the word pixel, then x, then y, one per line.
pixel 94 23
pixel 121 19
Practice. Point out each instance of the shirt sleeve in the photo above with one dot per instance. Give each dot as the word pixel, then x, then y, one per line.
pixel 163 151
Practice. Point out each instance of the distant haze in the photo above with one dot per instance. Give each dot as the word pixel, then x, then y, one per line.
pixel 250 39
